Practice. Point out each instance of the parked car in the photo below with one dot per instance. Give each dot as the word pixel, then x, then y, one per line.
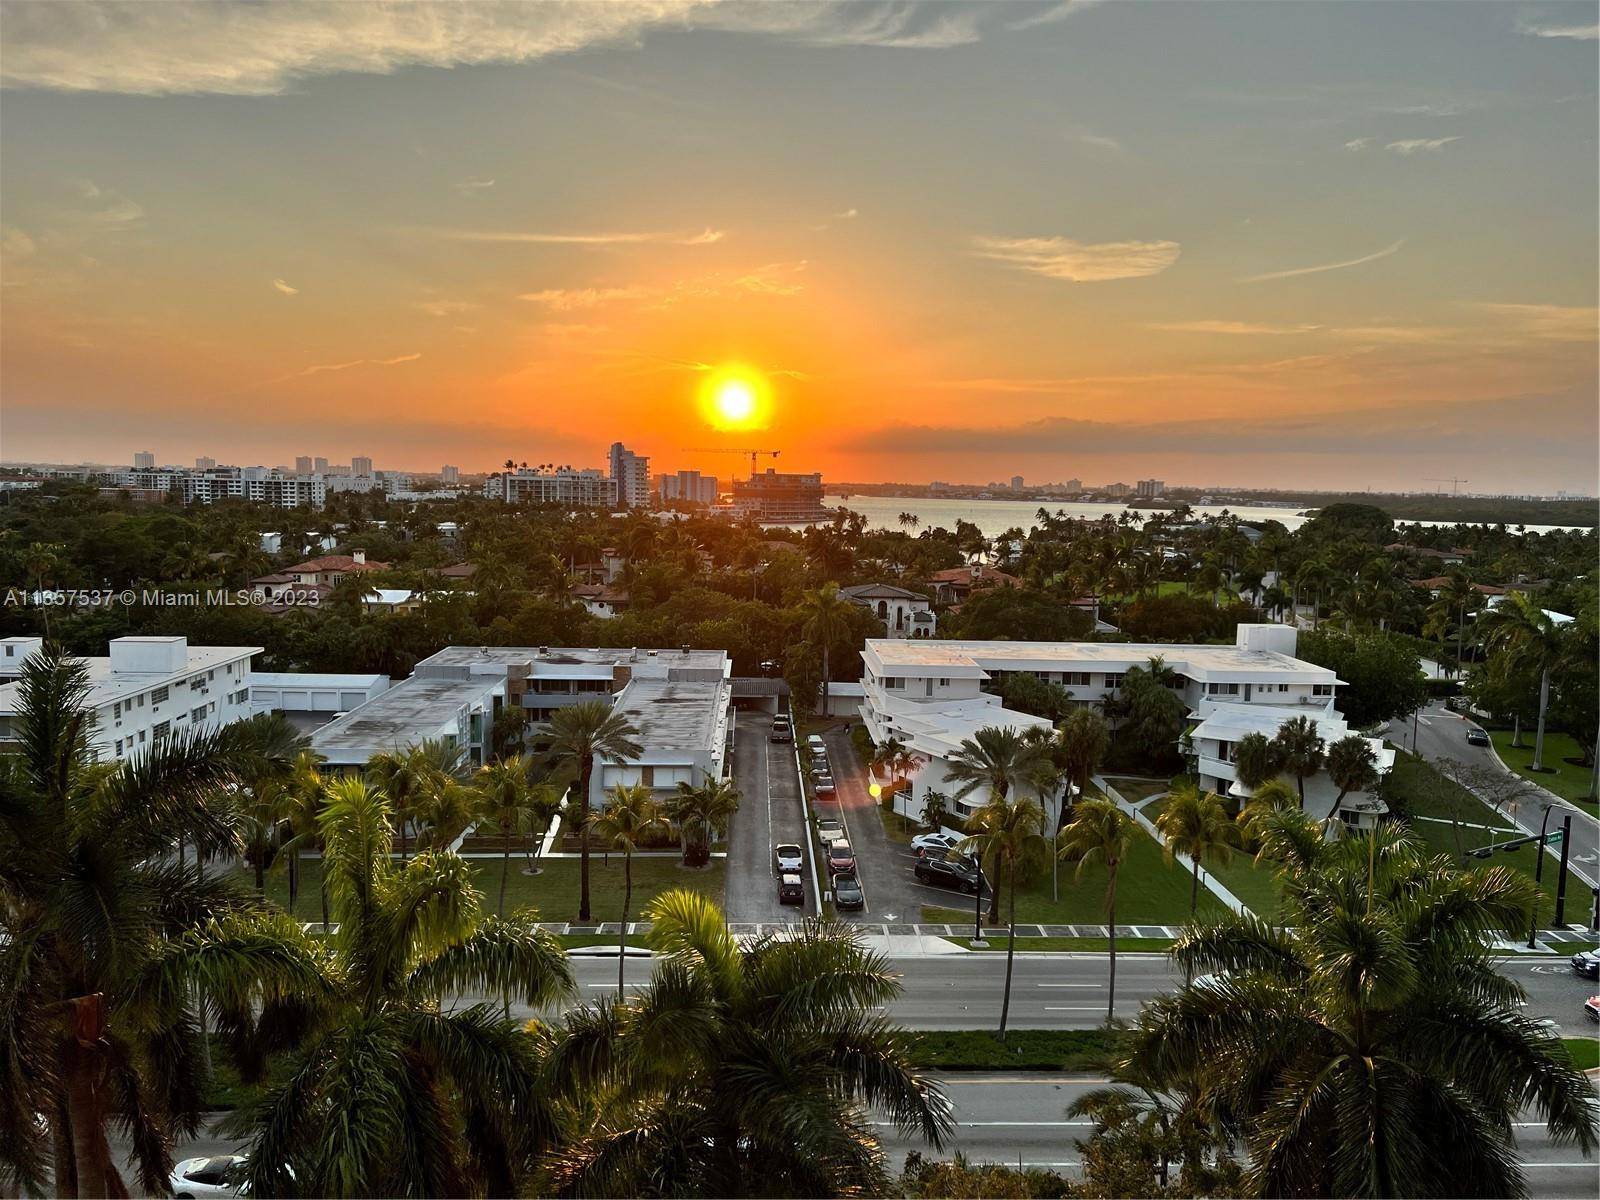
pixel 1476 736
pixel 935 845
pixel 960 873
pixel 791 890
pixel 215 1175
pixel 1587 964
pixel 847 892
pixel 829 831
pixel 816 745
pixel 841 857
pixel 782 730
pixel 789 858
pixel 823 786
pixel 1591 1008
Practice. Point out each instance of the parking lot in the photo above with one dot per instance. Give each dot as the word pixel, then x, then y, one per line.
pixel 769 814
pixel 885 867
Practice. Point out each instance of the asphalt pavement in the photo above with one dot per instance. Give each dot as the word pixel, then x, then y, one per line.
pixel 1440 733
pixel 770 814
pixel 893 895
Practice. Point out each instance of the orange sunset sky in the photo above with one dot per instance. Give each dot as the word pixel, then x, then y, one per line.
pixel 1266 244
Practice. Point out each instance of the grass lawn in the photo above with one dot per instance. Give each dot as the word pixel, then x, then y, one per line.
pixel 1256 887
pixel 1134 791
pixel 1026 944
pixel 1585 1052
pixel 898 829
pixel 553 892
pixel 1023 1049
pixel 1149 892
pixel 1567 779
pixel 1426 793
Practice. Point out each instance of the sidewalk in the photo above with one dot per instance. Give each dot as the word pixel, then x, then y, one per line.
pixel 1207 880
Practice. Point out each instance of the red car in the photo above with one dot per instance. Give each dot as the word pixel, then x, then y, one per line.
pixel 841 859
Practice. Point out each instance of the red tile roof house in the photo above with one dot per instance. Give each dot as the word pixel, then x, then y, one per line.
pixel 331 568
pixel 956 584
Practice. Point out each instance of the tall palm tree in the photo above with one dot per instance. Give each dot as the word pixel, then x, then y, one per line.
pixel 741 1068
pixel 1367 1046
pixel 108 942
pixel 996 758
pixel 1195 823
pixel 1102 833
pixel 1256 760
pixel 445 814
pixel 1271 797
pixel 1313 575
pixel 574 737
pixel 628 818
pixel 410 776
pixel 300 797
pixel 1004 835
pixel 824 612
pixel 1519 630
pixel 701 814
pixel 389 1091
pixel 1084 739
pixel 1300 748
pixel 40 561
pixel 1353 767
pixel 935 810
pixel 506 801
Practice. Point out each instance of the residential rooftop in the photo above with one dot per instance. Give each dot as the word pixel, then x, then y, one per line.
pixel 673 715
pixel 541 657
pixel 975 659
pixel 401 716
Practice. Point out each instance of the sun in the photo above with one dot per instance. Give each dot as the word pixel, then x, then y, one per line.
pixel 735 397
pixel 736 401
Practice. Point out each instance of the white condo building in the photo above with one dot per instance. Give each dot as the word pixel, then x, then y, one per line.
pixel 588 488
pixel 631 472
pixel 933 694
pixel 145 690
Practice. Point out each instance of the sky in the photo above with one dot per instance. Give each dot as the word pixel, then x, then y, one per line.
pixel 1265 244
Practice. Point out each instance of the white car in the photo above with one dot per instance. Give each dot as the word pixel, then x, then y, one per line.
pixel 199 1178
pixel 829 831
pixel 936 843
pixel 817 745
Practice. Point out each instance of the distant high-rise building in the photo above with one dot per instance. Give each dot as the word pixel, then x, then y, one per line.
pixel 1150 487
pixel 302 464
pixel 632 475
pixel 204 463
pixel 1115 489
pixel 449 474
pixel 360 465
pixel 781 497
pixel 562 485
pixel 319 465
pixel 1016 483
pixel 1073 485
pixel 689 487
pixel 144 460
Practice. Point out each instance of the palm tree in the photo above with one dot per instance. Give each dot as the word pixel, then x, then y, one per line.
pixel 408 777
pixel 629 817
pixel 108 942
pixel 702 813
pixel 574 737
pixel 825 615
pixel 1271 797
pixel 506 802
pixel 741 1068
pixel 1300 749
pixel 1004 836
pixel 445 814
pixel 1100 832
pixel 1084 739
pixel 1313 575
pixel 299 799
pixel 1519 630
pixel 1353 767
pixel 1367 1046
pixel 1256 760
pixel 997 758
pixel 935 810
pixel 390 1091
pixel 1194 823
pixel 40 561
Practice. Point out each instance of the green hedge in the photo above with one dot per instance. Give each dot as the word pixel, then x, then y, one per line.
pixel 1024 1049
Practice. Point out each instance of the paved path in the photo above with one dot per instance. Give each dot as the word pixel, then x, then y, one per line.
pixel 769 815
pixel 1443 734
pixel 1136 811
pixel 883 866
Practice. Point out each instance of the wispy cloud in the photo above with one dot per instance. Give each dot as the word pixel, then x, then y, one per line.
pixel 190 46
pixel 471 187
pixel 770 279
pixel 1393 248
pixel 285 288
pixel 848 214
pixel 569 299
pixel 706 237
pixel 1050 14
pixel 1231 327
pixel 1421 145
pixel 1360 143
pixel 1549 322
pixel 324 368
pixel 1579 33
pixel 1098 141
pixel 1080 262
pixel 444 308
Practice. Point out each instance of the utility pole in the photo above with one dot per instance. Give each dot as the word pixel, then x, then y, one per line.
pixel 1561 879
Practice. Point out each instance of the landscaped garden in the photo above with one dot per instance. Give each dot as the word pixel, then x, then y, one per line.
pixel 1566 777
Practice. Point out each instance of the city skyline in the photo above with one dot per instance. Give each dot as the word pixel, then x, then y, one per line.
pixel 1293 246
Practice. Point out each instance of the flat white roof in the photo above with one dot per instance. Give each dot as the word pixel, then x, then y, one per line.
pixel 107 686
pixel 406 714
pixel 675 718
pixel 312 679
pixel 921 657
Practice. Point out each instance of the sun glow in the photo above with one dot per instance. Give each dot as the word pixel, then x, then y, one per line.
pixel 736 397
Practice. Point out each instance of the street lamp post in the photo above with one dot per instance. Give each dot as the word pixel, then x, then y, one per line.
pixel 1538 875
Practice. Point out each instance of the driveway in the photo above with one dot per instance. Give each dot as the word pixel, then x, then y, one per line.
pixel 1441 733
pixel 884 866
pixel 769 815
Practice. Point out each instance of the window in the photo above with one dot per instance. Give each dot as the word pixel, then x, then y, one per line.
pixel 158 696
pixel 198 682
pixel 1222 689
pixel 1283 687
pixel 160 731
pixel 944 683
pixel 1075 678
pixel 1113 680
pixel 198 714
pixel 116 709
pixel 1322 689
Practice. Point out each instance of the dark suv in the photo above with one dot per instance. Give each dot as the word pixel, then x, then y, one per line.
pixel 959 873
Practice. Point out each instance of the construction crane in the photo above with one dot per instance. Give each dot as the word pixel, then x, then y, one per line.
pixel 754 454
pixel 1455 484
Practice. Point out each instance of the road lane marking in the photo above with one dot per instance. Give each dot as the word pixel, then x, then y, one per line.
pixel 1075 1008
pixel 1071 985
